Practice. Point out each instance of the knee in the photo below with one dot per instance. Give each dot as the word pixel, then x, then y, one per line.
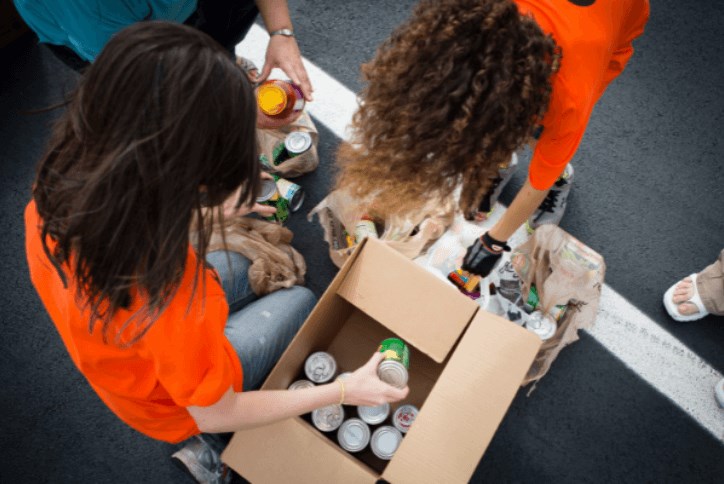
pixel 301 299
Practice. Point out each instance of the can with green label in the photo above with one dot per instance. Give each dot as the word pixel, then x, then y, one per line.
pixel 270 196
pixel 393 369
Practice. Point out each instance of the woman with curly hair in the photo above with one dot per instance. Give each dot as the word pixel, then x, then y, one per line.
pixel 463 84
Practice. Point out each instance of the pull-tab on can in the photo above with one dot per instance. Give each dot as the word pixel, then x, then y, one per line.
pixel 353 435
pixel 320 367
pixel 328 418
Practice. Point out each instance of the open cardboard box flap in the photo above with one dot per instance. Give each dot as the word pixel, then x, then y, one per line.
pixel 413 304
pixel 467 403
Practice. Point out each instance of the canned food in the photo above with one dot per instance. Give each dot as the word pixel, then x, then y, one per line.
pixel 374 415
pixel 279 98
pixel 270 196
pixel 300 384
pixel 344 375
pixel 557 312
pixel 291 192
pixel 404 416
pixel 385 441
pixel 353 435
pixel 364 228
pixel 328 418
pixel 393 369
pixel 320 367
pixel 542 325
pixel 293 145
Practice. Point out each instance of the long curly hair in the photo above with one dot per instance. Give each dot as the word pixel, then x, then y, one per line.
pixel 449 96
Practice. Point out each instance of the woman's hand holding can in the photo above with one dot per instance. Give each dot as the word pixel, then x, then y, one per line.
pixel 364 387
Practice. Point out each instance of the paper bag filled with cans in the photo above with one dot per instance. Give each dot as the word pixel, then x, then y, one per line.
pixel 290 150
pixel 347 221
pixel 563 278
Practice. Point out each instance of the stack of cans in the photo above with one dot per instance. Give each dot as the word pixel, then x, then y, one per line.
pixel 356 433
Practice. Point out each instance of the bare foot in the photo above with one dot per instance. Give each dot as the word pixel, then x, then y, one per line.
pixel 683 292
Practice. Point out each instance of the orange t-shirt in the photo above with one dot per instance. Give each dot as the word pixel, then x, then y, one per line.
pixel 184 359
pixel 595 41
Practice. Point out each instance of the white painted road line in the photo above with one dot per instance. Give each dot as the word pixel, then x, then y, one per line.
pixel 641 344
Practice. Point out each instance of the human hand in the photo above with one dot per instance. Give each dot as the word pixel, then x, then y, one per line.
pixel 364 387
pixel 283 52
pixel 481 257
pixel 231 210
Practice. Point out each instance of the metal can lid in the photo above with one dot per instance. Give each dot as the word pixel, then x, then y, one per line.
pixel 404 416
pixel 298 142
pixel 328 418
pixel 353 435
pixel 374 415
pixel 299 384
pixel 344 375
pixel 320 367
pixel 393 372
pixel 271 98
pixel 542 325
pixel 385 441
pixel 268 190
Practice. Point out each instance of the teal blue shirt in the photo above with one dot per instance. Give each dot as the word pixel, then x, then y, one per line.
pixel 86 25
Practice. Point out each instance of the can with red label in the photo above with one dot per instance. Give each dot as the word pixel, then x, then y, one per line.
pixel 404 416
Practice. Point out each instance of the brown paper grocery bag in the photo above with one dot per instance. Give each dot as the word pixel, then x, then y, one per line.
pixel 564 271
pixel 268 139
pixel 409 234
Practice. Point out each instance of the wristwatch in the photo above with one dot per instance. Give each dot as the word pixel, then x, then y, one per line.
pixel 284 32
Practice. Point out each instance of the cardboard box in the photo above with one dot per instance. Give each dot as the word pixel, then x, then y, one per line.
pixel 466 365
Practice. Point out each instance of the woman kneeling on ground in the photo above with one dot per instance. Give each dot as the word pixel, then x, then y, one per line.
pixel 171 338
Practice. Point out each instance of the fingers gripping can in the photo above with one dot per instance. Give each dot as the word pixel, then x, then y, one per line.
pixel 385 441
pixel 374 415
pixel 404 416
pixel 328 418
pixel 320 367
pixel 393 369
pixel 291 192
pixel 270 196
pixel 353 435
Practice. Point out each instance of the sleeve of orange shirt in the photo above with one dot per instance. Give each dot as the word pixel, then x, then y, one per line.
pixel 563 128
pixel 194 360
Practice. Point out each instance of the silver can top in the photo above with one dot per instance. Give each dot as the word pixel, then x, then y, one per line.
pixel 385 441
pixel 299 384
pixel 268 189
pixel 328 418
pixel 320 367
pixel 374 415
pixel 298 142
pixel 542 325
pixel 353 435
pixel 404 416
pixel 393 372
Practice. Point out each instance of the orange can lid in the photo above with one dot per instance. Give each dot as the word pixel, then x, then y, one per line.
pixel 272 99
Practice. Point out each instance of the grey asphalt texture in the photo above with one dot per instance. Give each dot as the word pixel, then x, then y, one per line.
pixel 649 195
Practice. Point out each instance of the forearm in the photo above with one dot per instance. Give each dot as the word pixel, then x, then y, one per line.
pixel 237 411
pixel 275 14
pixel 523 206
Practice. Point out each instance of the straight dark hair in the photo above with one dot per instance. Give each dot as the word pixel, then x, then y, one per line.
pixel 160 125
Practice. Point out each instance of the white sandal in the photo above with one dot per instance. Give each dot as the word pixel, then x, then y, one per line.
pixel 673 309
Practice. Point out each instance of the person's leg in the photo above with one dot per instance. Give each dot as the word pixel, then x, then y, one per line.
pixel 263 329
pixel 68 57
pixel 710 284
pixel 227 21
pixel 697 295
pixel 233 271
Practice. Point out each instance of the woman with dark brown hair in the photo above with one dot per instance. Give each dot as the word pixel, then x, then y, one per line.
pixel 161 125
pixel 463 84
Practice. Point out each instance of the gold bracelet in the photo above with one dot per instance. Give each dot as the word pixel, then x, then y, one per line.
pixel 341 386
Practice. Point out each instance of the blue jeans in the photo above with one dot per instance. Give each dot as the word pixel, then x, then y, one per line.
pixel 259 329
